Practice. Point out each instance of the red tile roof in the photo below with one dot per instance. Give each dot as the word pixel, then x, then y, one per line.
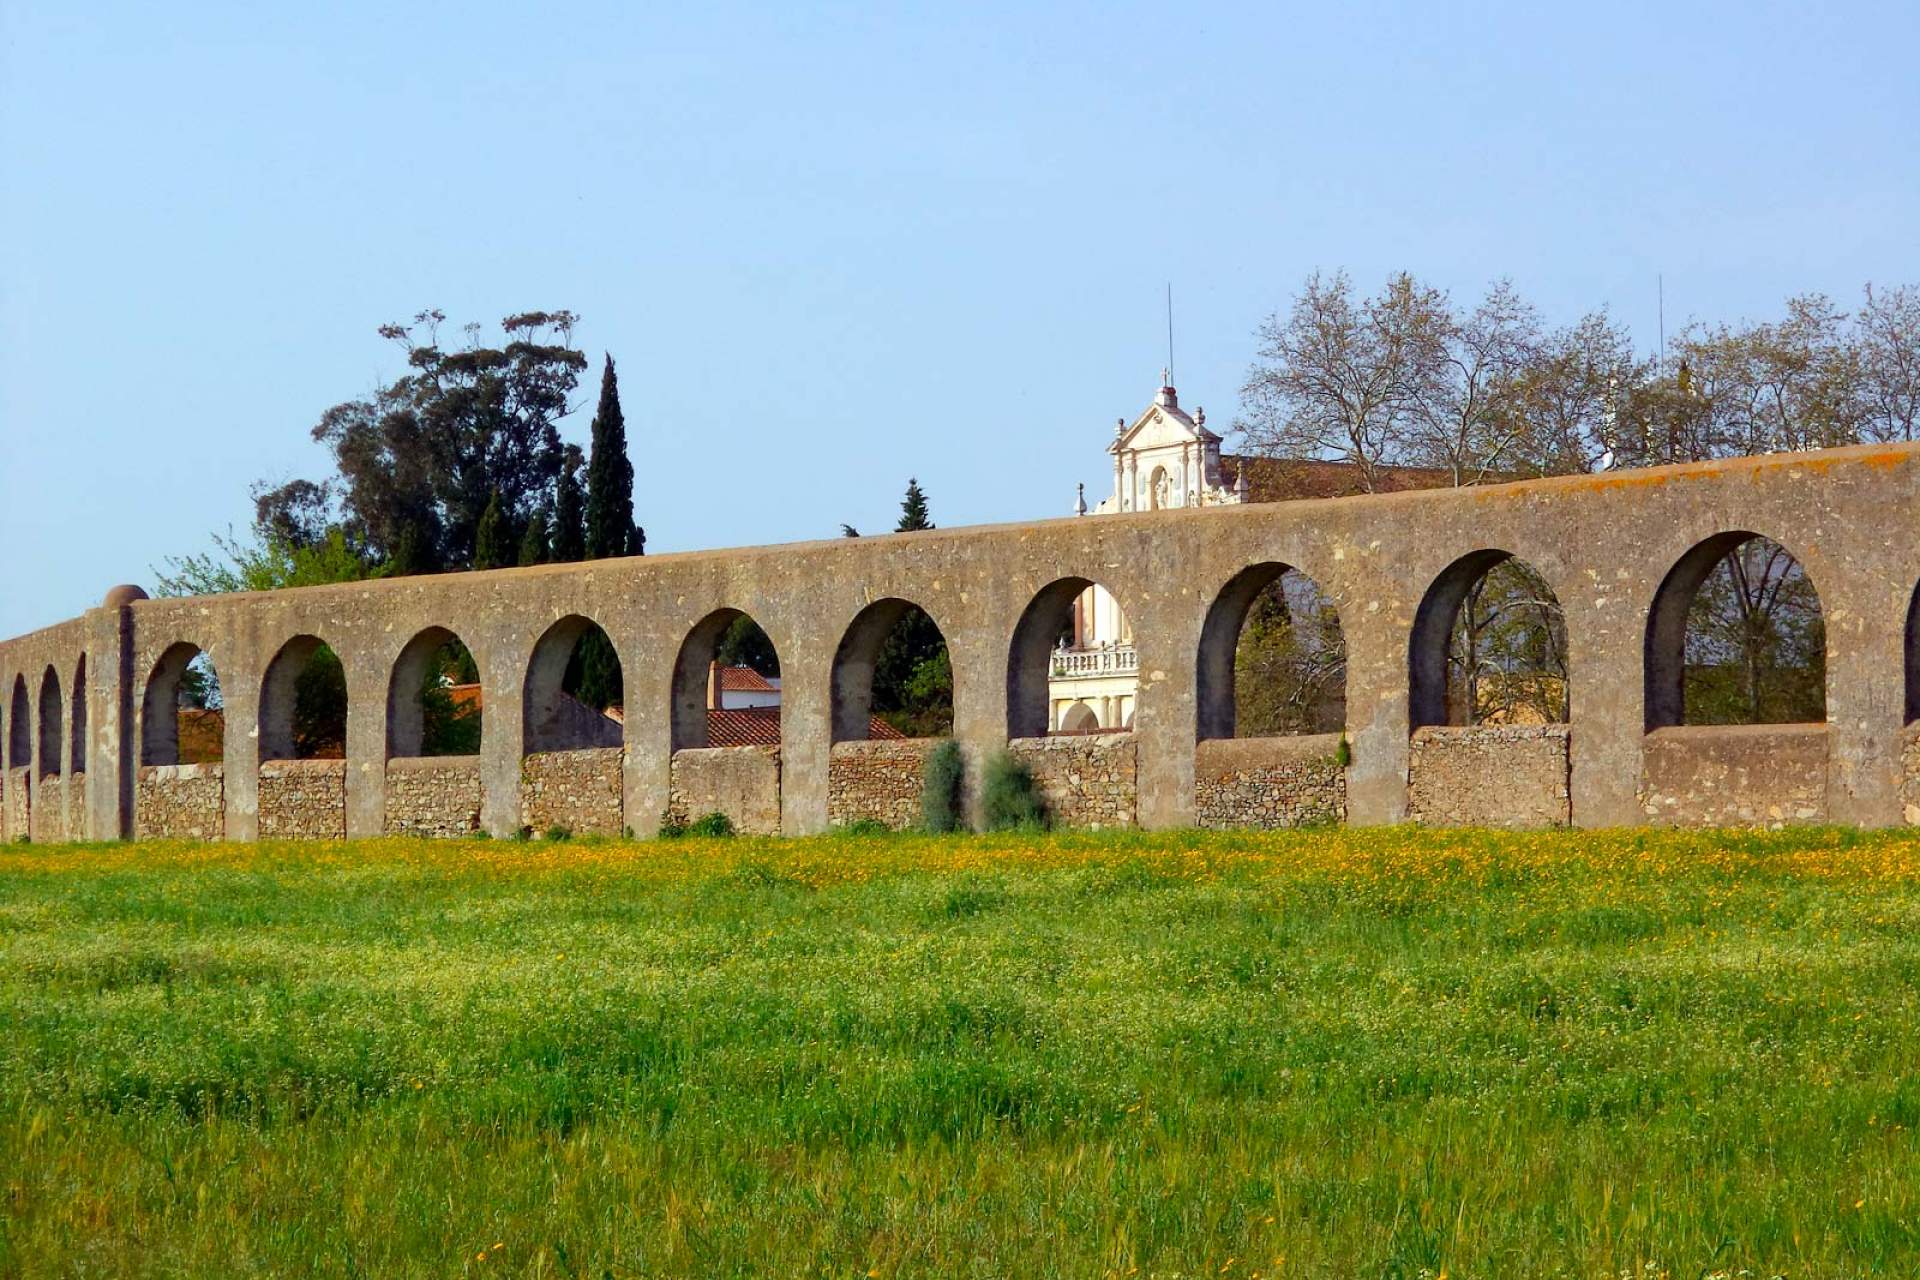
pixel 760 727
pixel 1285 479
pixel 745 680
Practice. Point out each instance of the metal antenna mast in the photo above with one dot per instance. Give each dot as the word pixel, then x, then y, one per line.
pixel 1169 333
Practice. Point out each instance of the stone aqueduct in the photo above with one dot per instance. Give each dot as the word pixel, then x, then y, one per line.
pixel 87 713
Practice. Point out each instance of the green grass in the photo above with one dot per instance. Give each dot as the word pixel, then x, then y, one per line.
pixel 1378 1054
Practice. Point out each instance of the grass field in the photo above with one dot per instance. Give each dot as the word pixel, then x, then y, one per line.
pixel 1369 1053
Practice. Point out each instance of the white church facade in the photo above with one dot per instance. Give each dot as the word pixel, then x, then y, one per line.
pixel 1165 458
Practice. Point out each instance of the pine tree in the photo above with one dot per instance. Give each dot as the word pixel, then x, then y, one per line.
pixel 493 539
pixel 610 530
pixel 535 547
pixel 569 529
pixel 913 510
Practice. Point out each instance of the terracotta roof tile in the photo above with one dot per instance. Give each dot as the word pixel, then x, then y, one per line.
pixel 760 727
pixel 745 680
pixel 1285 479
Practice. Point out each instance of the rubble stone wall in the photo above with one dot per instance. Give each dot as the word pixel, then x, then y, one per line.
pixel 1910 775
pixel 1089 781
pixel 1510 775
pixel 1269 782
pixel 579 790
pixel 1735 775
pixel 181 801
pixel 19 818
pixel 741 782
pixel 878 780
pixel 434 795
pixel 303 799
pixel 47 823
pixel 77 806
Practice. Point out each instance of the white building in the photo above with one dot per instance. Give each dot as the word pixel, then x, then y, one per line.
pixel 1166 458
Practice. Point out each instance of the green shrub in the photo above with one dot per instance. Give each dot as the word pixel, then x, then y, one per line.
pixel 1343 754
pixel 1010 799
pixel 866 827
pixel 671 827
pixel 711 824
pixel 943 790
pixel 558 832
pixel 523 834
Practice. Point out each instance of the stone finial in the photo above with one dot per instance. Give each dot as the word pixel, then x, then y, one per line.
pixel 1080 502
pixel 124 594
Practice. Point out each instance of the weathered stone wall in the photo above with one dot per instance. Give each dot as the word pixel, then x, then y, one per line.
pixel 434 796
pixel 1269 782
pixel 1736 775
pixel 181 801
pixel 1604 544
pixel 77 807
pixel 48 821
pixel 1090 781
pixel 303 799
pixel 1910 775
pixel 1490 776
pixel 578 789
pixel 741 782
pixel 879 779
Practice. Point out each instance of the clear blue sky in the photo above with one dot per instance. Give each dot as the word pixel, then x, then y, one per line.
pixel 833 247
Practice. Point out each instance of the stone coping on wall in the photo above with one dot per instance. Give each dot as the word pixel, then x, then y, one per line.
pixel 1485 775
pixel 1735 775
pixel 1089 780
pixel 181 772
pixel 878 780
pixel 300 768
pixel 1267 782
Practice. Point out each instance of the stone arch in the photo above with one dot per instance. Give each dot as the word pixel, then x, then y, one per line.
pixel 1318 653
pixel 77 721
pixel 161 700
pixel 555 717
pixel 52 726
pixel 20 727
pixel 1490 623
pixel 433 702
pixel 696 669
pixel 1080 718
pixel 1678 657
pixel 303 703
pixel 858 663
pixel 1048 620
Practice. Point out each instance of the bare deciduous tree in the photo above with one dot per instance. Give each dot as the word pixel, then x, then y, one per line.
pixel 1341 377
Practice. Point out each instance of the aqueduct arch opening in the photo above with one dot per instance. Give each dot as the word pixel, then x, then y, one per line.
pixel 892 664
pixel 77 722
pixel 1045 645
pixel 303 703
pixel 183 680
pixel 52 726
pixel 1273 658
pixel 20 727
pixel 1489 646
pixel 724 644
pixel 1913 659
pixel 433 698
pixel 1736 635
pixel 574 679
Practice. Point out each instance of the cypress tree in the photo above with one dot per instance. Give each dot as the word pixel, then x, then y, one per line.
pixel 493 540
pixel 569 527
pixel 610 529
pixel 913 510
pixel 535 547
